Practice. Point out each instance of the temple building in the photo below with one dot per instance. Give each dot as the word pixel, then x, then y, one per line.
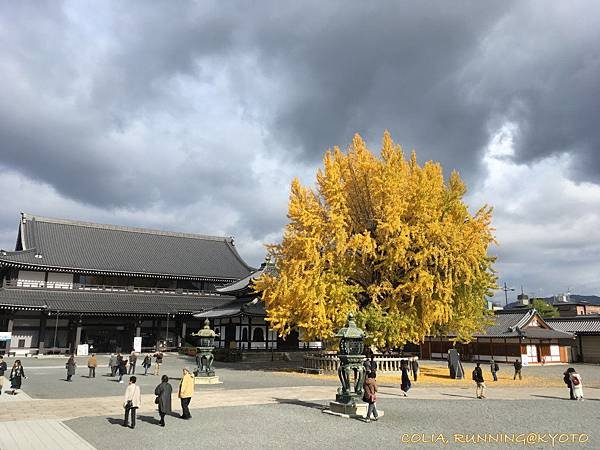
pixel 69 283
pixel 512 335
pixel 241 323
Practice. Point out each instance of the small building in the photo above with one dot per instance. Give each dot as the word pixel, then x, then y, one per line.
pixel 240 323
pixel 513 334
pixel 567 305
pixel 586 328
pixel 574 308
pixel 69 283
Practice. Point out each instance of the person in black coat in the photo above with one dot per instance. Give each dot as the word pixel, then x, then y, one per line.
pixel 414 365
pixel 16 376
pixel 405 383
pixel 163 394
pixel 122 369
pixel 478 378
pixel 567 380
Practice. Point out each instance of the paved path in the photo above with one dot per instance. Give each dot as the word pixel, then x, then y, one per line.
pixel 65 409
pixel 40 435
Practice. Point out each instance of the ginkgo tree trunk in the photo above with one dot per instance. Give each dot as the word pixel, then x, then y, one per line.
pixel 387 239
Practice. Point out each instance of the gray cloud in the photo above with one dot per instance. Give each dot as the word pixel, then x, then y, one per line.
pixel 206 110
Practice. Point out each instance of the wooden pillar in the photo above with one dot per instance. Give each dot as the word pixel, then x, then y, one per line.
pixel 9 329
pixel 249 332
pixel 78 335
pixel 155 332
pixel 42 334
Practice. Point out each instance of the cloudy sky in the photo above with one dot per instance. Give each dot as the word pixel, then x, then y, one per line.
pixel 194 116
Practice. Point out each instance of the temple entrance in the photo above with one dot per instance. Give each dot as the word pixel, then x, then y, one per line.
pixel 107 339
pixel 229 335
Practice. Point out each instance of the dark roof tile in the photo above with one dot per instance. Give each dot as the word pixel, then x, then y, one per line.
pixel 68 301
pixel 87 247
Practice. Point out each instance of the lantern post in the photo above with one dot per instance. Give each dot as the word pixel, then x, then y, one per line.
pixel 205 373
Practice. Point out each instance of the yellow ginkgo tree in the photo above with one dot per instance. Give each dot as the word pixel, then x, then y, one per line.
pixel 387 239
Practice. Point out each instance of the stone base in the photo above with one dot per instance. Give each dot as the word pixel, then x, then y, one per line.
pixel 207 380
pixel 349 410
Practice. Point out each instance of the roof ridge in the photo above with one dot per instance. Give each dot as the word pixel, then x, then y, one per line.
pixel 123 228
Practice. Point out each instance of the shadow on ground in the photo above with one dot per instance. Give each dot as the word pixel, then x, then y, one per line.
pixel 294 401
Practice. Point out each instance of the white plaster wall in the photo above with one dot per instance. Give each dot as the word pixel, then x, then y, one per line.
pixel 60 280
pixel 30 278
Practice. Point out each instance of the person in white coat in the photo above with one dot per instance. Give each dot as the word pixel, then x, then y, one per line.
pixel 577 385
pixel 133 400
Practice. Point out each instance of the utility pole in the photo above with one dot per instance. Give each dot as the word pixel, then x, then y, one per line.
pixel 506 289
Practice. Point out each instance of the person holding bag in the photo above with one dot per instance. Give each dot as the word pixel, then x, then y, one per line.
pixel 133 400
pixel 16 375
pixel 370 396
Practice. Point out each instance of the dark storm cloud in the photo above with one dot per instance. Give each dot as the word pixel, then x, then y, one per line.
pixel 166 106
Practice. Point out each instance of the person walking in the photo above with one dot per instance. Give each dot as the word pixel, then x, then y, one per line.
pixel 158 359
pixel 112 364
pixel 186 391
pixel 494 368
pixel 477 376
pixel 70 366
pixel 3 368
pixel 163 394
pixel 518 366
pixel 415 367
pixel 370 396
pixel 133 400
pixel 577 385
pixel 92 363
pixel 405 381
pixel 122 368
pixel 370 364
pixel 567 380
pixel 146 363
pixel 16 376
pixel 132 363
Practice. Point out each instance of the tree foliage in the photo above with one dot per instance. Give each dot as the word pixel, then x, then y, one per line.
pixel 386 239
pixel 545 309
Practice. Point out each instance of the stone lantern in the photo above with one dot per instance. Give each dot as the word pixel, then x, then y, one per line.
pixel 348 401
pixel 204 373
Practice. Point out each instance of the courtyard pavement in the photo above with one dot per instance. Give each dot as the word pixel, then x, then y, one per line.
pixel 266 409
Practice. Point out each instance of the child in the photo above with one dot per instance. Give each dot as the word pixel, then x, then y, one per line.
pixel 370 396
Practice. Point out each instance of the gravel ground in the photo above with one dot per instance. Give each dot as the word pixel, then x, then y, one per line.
pixel 303 425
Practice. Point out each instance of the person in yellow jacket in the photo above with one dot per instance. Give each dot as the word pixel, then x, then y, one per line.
pixel 186 391
pixel 92 364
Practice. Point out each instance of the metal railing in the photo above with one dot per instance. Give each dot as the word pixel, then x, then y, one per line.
pixel 32 284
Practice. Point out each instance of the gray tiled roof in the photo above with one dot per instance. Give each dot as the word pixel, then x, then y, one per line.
pixel 583 325
pixel 243 285
pixel 236 308
pixel 69 301
pixel 512 323
pixel 93 248
pixel 505 324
